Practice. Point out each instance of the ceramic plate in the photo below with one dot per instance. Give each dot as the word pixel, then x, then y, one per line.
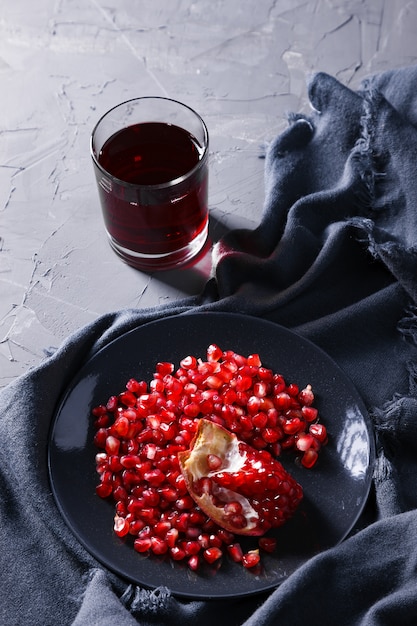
pixel 335 490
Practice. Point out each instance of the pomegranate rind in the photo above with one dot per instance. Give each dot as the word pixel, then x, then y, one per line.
pixel 212 438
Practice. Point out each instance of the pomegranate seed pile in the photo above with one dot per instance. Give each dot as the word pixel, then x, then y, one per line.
pixel 140 432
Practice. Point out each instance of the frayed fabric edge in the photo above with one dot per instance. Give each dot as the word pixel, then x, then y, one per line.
pixel 146 601
pixel 389 421
pixel 142 600
pixel 386 418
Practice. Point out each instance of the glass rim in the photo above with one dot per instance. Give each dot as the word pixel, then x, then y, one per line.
pixel 158 186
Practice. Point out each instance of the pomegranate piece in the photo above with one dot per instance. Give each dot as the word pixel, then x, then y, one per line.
pixel 249 493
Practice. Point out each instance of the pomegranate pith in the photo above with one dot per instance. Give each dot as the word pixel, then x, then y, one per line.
pixel 142 433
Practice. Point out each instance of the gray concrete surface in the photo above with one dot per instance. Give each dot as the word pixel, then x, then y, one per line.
pixel 242 64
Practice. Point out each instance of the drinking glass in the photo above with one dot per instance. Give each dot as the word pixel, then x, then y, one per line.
pixel 150 158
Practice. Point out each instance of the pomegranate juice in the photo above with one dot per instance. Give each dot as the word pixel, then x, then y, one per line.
pixel 154 195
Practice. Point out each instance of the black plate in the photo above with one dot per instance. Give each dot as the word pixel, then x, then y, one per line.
pixel 335 491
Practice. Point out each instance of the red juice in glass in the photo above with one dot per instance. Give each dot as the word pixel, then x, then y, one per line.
pixel 153 184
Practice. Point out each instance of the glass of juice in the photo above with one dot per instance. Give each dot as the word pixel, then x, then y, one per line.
pixel 150 158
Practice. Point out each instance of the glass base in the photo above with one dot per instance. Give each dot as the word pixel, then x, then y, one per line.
pixel 160 262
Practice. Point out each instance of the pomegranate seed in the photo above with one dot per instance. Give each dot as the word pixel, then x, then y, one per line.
pixel 309 458
pixel 206 369
pixel 135 526
pixel 158 545
pixel 177 553
pixel 288 442
pixel 243 383
pixel 293 426
pixel 135 386
pixel 189 362
pixel 309 413
pixel 267 544
pixel 253 405
pixel 215 541
pixel 214 353
pixel 212 554
pixel 154 477
pixel 214 382
pixel 304 442
pixel 145 533
pixel 184 503
pixel 279 383
pixel 271 435
pixel 148 515
pixel 260 389
pixel 254 360
pixel 282 401
pixel 104 490
pixel 121 426
pixel 112 404
pixel 225 536
pixel 164 368
pixel 112 445
pixel 153 421
pixel 120 494
pixel 245 424
pixel 251 559
pixel 319 432
pixel 193 563
pixel 161 528
pixel 99 410
pixel 129 461
pixel 169 494
pixel 259 442
pixel 191 547
pixel 292 389
pixel 265 374
pixel 214 462
pixel 102 421
pixel 204 540
pixel 181 485
pixel 191 410
pixel 235 552
pixel 273 420
pixel 142 545
pixel 260 420
pixel 276 449
pixel 128 398
pixel 193 532
pixel 306 396
pixel 171 537
pixel 149 451
pixel 121 526
pixel 233 508
pixel 182 521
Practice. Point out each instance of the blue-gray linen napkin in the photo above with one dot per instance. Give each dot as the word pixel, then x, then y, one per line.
pixel 334 258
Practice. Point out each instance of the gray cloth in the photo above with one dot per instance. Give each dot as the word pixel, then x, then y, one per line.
pixel 334 258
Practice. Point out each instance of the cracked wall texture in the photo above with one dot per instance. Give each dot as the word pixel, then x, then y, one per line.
pixel 241 64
